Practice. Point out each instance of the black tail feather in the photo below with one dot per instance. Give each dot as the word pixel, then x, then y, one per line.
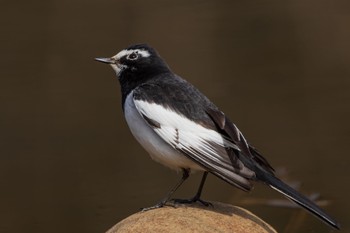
pixel 296 197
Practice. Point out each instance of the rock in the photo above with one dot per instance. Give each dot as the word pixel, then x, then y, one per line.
pixel 194 218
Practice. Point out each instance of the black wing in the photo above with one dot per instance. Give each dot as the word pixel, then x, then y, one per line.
pixel 219 158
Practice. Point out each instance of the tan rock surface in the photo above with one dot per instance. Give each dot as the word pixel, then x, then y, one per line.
pixel 194 218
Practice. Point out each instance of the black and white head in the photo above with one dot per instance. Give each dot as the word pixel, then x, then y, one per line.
pixel 136 61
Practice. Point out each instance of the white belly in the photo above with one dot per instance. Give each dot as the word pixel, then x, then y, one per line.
pixel 158 149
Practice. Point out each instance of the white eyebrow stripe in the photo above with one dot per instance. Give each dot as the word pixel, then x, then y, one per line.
pixel 125 52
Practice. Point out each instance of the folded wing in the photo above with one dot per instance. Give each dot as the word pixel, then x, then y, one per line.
pixel 207 147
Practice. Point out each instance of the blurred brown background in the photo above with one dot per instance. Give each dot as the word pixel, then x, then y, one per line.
pixel 279 69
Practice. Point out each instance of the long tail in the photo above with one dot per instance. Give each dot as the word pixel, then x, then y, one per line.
pixel 296 197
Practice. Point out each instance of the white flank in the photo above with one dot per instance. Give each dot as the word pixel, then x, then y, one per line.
pixel 158 149
pixel 180 133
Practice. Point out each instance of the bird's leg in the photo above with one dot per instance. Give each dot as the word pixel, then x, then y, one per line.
pixel 185 175
pixel 198 194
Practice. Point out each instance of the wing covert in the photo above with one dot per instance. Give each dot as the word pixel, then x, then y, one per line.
pixel 205 146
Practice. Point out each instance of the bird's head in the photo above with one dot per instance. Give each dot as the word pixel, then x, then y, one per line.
pixel 138 60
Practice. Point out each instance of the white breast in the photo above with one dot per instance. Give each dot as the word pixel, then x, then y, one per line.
pixel 158 149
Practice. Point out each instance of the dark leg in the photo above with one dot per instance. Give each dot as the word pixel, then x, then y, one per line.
pixel 198 194
pixel 185 175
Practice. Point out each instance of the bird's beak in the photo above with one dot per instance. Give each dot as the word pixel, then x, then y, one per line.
pixel 106 60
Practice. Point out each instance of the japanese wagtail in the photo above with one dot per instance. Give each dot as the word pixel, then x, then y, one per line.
pixel 182 129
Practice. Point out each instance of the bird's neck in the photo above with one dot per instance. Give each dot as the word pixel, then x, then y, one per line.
pixel 130 81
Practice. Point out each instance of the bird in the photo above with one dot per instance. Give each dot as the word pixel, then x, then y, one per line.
pixel 182 129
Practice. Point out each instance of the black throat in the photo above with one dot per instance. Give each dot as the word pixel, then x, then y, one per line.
pixel 131 79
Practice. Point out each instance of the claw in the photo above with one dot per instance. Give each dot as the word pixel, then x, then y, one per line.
pixel 192 200
pixel 205 203
pixel 159 205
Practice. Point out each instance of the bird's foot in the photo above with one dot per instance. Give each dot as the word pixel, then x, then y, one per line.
pixel 192 200
pixel 159 205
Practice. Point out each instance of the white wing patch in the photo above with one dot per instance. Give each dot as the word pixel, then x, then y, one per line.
pixel 205 146
pixel 184 134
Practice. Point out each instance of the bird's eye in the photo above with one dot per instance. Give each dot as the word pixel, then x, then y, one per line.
pixel 132 56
